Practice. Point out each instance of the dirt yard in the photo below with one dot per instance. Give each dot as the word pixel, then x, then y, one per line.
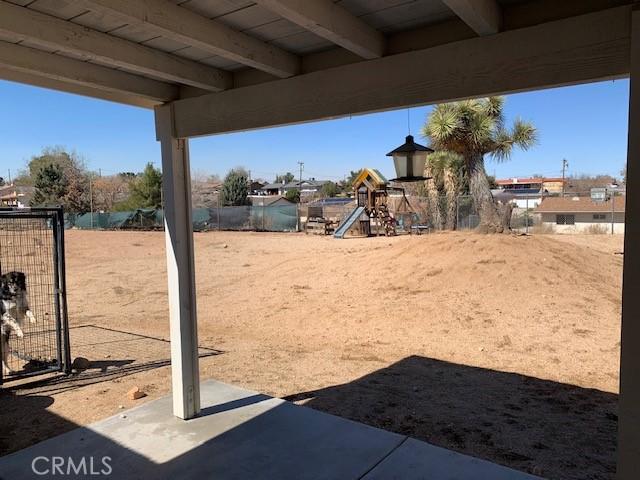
pixel 502 347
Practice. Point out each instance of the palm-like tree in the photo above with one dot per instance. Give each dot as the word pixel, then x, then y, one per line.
pixel 473 129
pixel 447 170
pixel 433 195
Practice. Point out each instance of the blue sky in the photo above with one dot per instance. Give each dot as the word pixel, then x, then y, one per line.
pixel 585 124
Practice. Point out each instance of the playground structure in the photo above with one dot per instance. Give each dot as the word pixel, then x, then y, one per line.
pixel 316 222
pixel 371 215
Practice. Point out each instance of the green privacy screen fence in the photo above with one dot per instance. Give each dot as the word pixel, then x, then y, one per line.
pixel 281 218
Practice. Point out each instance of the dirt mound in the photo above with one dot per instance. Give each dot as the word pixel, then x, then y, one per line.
pixel 498 346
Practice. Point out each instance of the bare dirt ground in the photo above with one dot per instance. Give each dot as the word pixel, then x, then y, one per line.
pixel 502 347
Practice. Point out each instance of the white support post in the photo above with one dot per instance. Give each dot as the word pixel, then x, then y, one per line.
pixel 629 399
pixel 176 187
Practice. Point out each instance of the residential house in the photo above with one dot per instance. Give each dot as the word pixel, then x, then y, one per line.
pixel 271 189
pixel 307 188
pixel 582 214
pixel 527 192
pixel 16 196
pixel 270 201
pixel 255 187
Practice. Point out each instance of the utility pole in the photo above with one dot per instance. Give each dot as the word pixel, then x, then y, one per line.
pixel 300 164
pixel 91 197
pixel 565 165
pixel 613 211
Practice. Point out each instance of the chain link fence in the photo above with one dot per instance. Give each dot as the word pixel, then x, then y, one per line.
pixel 275 218
pixel 578 212
pixel 443 213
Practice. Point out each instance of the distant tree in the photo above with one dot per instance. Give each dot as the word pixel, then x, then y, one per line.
pixel 50 184
pixel 293 195
pixel 204 189
pixel 329 189
pixel 286 178
pixel 1 182
pixel 235 188
pixel 584 183
pixel 353 174
pixel 73 192
pixel 146 190
pixel 23 178
pixel 107 191
pixel 492 181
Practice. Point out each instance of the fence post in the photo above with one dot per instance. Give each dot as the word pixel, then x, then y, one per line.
pixel 526 217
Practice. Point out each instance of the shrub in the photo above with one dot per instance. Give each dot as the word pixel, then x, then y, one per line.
pixel 543 229
pixel 596 229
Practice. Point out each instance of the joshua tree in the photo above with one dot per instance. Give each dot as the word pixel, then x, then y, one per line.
pixel 472 129
pixel 448 171
pixel 433 195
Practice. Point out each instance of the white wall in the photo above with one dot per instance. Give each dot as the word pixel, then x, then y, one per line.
pixel 530 203
pixel 583 221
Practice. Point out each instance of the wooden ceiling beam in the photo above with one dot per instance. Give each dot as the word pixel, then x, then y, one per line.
pixel 54 33
pixel 56 67
pixel 74 88
pixel 182 25
pixel 333 22
pixel 575 50
pixel 483 16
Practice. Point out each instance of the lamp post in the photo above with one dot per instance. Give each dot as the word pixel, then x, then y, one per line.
pixel 409 160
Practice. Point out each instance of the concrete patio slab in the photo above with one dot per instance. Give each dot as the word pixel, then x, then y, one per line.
pixel 239 435
pixel 416 460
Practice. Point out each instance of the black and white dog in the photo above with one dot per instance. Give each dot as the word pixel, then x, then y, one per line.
pixel 14 307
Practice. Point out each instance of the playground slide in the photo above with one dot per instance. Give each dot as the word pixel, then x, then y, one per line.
pixel 348 222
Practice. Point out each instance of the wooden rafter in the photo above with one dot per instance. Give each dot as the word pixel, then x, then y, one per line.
pixel 183 25
pixel 483 16
pixel 54 33
pixel 331 21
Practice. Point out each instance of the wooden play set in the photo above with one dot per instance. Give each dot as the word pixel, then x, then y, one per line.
pixel 371 216
pixel 317 223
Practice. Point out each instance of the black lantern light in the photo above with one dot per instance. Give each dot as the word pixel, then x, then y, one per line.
pixel 409 160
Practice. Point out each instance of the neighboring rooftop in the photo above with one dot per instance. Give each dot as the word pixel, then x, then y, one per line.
pixel 530 180
pixel 578 205
pixel 12 193
pixel 312 182
pixel 268 200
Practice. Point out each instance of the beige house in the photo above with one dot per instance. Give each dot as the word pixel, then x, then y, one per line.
pixel 582 214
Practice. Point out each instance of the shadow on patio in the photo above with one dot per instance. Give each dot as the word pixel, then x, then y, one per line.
pixel 538 426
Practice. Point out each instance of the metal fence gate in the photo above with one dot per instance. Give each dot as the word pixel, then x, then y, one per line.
pixel 35 333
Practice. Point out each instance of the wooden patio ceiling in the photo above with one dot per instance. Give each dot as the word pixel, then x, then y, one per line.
pixel 150 52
